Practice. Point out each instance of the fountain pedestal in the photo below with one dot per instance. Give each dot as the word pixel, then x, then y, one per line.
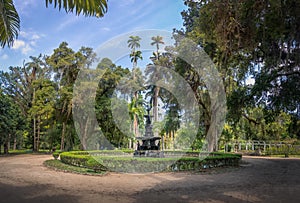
pixel 150 146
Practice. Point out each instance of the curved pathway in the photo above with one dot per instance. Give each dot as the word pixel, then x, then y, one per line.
pixel 23 178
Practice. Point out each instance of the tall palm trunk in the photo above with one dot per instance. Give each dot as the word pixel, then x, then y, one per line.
pixel 155 103
pixel 156 92
pixel 135 119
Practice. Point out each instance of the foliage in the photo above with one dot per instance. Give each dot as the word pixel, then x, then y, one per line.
pixel 141 165
pixel 59 166
pixel 284 150
pixel 11 121
pixel 55 155
pixel 95 8
pixel 251 39
pixel 10 21
pixel 245 39
pixel 107 84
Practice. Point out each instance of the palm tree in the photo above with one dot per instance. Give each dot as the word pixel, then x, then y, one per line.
pixel 156 41
pixel 137 112
pixel 134 42
pixel 10 21
pixel 135 56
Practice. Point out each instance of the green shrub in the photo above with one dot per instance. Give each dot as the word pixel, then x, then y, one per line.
pixel 107 160
pixel 283 150
pixel 75 159
pixel 96 165
pixel 55 155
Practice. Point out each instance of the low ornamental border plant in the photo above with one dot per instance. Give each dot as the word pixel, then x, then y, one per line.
pixel 55 155
pixel 99 162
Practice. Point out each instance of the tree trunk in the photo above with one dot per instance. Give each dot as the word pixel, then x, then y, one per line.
pixel 209 138
pixel 129 144
pixel 155 104
pixel 38 134
pixel 135 126
pixel 34 135
pixel 8 142
pixel 84 135
pixel 15 143
pixel 135 119
pixel 62 141
pixel 5 147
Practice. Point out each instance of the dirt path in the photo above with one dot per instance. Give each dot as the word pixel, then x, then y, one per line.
pixel 23 178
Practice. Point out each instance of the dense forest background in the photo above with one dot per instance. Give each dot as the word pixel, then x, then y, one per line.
pixel 254 44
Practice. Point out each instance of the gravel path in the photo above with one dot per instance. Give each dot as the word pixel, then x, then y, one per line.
pixel 23 178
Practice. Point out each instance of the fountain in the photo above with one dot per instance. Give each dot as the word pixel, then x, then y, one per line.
pixel 150 146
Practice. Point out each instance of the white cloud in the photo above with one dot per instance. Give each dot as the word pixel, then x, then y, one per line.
pixel 27 42
pixel 35 37
pixel 126 2
pixel 23 34
pixel 4 57
pixel 30 35
pixel 18 44
pixel 106 29
pixel 26 49
pixel 21 45
pixel 24 7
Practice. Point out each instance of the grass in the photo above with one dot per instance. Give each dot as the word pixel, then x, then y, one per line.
pixel 283 156
pixel 24 151
pixel 59 166
pixel 19 151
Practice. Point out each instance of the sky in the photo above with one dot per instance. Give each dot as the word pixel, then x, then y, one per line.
pixel 43 29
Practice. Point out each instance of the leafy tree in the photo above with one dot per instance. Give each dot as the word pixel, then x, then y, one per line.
pixel 19 84
pixel 245 39
pixel 135 55
pixel 105 92
pixel 66 65
pixel 156 41
pixel 42 109
pixel 11 121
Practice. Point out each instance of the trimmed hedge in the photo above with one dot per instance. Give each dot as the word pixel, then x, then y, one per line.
pixel 102 162
pixel 284 149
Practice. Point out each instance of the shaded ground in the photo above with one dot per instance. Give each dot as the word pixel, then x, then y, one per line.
pixel 23 178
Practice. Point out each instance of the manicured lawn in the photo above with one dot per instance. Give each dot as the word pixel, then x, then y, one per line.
pixel 59 166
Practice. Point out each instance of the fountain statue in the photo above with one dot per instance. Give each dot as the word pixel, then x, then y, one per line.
pixel 150 146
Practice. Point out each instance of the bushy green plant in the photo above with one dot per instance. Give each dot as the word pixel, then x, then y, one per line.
pixel 283 150
pixel 96 165
pixel 101 162
pixel 55 155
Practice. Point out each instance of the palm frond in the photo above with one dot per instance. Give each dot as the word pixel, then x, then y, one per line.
pixel 9 23
pixel 95 8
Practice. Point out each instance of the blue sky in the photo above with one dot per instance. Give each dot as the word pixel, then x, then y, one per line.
pixel 43 29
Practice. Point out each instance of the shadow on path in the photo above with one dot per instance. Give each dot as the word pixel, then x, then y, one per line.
pixel 261 180
pixel 33 193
